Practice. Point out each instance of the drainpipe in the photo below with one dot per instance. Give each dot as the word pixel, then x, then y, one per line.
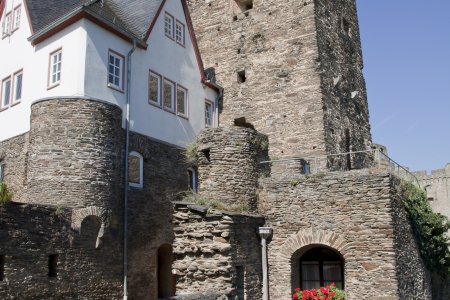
pixel 265 233
pixel 126 184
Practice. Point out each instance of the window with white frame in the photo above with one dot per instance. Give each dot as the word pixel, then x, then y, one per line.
pixel 7 24
pixel 18 78
pixel 179 33
pixel 168 25
pixel 169 95
pixel 17 13
pixel 181 101
pixel 6 92
pixel 55 68
pixel 154 88
pixel 135 170
pixel 209 110
pixel 115 70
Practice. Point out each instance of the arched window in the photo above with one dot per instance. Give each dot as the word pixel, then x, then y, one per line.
pixel 89 232
pixel 320 266
pixel 166 282
pixel 135 170
pixel 192 173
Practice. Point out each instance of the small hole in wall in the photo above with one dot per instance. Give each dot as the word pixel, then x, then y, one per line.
pixel 207 154
pixel 235 18
pixel 241 78
pixel 346 26
pixel 2 267
pixel 53 265
pixel 238 51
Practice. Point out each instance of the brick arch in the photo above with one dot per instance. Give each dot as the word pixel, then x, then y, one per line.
pixel 79 215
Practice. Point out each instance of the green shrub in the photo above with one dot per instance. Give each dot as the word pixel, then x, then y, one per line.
pixel 5 195
pixel 430 228
pixel 195 198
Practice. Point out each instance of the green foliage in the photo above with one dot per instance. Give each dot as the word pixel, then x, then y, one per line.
pixel 191 151
pixel 195 198
pixel 5 195
pixel 429 228
pixel 295 182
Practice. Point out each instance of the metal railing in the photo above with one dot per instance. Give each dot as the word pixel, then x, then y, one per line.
pixel 375 160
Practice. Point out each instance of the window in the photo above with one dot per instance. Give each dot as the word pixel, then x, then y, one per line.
pixel 241 76
pixel 135 170
pixel 6 92
pixel 169 91
pixel 17 95
pixel 53 265
pixel 89 232
pixel 240 282
pixel 168 25
pixel 55 68
pixel 179 33
pixel 7 25
pixel 209 117
pixel 154 88
pixel 321 267
pixel 346 27
pixel 2 267
pixel 2 171
pixel 115 70
pixel 181 101
pixel 17 12
pixel 192 173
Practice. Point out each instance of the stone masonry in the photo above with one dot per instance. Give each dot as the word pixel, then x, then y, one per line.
pixel 357 214
pixel 292 68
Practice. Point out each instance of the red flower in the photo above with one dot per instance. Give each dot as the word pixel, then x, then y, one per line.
pixel 297 289
pixel 332 294
pixel 333 284
pixel 295 296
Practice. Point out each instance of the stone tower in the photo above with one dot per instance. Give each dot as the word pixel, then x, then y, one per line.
pixel 292 68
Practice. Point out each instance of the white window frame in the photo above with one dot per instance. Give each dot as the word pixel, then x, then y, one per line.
pixel 192 179
pixel 121 67
pixel 55 72
pixel 173 99
pixel 16 99
pixel 17 16
pixel 7 22
pixel 211 122
pixel 159 77
pixel 169 22
pixel 3 99
pixel 180 38
pixel 141 170
pixel 185 90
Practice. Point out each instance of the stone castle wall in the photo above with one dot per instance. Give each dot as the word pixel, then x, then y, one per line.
pixel 303 86
pixel 356 214
pixel 75 151
pixel 217 252
pixel 228 164
pixel 30 233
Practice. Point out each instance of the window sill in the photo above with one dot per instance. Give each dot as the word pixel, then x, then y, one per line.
pixel 155 104
pixel 16 103
pixel 170 37
pixel 182 45
pixel 53 86
pixel 118 89
pixel 183 116
pixel 169 110
pixel 4 108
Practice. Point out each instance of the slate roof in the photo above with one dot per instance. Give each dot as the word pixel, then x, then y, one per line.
pixel 133 16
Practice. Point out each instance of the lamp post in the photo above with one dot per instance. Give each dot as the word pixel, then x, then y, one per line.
pixel 265 233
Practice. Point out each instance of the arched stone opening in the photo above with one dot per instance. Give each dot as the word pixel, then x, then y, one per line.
pixel 90 232
pixel 166 282
pixel 316 265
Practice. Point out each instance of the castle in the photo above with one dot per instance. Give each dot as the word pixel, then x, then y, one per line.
pixel 100 100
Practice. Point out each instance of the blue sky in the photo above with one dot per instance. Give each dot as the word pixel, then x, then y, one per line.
pixel 406 52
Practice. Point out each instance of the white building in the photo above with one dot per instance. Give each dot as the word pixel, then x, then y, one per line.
pixel 84 49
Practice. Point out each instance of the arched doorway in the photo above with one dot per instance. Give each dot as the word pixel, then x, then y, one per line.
pixel 166 282
pixel 89 232
pixel 317 266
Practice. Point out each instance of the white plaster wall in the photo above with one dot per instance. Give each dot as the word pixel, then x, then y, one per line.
pixel 18 53
pixel 163 56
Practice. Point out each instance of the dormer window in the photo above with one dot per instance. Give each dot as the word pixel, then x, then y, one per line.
pixel 179 33
pixel 168 25
pixel 7 25
pixel 17 13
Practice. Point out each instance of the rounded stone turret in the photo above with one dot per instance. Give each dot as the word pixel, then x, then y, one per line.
pixel 75 153
pixel 229 165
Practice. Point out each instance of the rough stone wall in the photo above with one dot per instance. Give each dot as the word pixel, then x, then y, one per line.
pixel 209 245
pixel 275 43
pixel 343 86
pixel 353 213
pixel 150 211
pixel 437 186
pixel 30 233
pixel 228 164
pixel 292 53
pixel 13 154
pixel 75 151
